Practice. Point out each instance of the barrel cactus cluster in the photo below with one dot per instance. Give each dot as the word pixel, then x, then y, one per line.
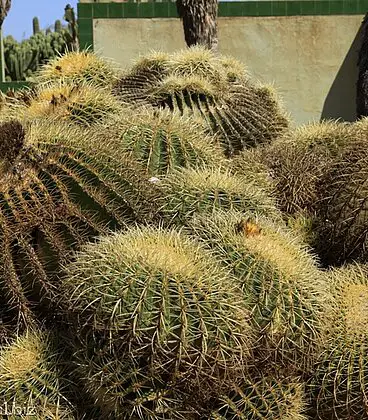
pixel 172 247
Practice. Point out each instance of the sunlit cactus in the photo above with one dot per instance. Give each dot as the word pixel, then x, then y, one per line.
pixel 161 142
pixel 281 284
pixel 217 90
pixel 83 104
pixel 78 67
pixel 161 325
pixel 339 384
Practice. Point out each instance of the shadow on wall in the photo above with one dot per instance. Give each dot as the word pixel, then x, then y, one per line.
pixel 340 102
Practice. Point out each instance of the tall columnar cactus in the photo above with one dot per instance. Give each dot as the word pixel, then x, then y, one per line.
pixel 83 104
pixel 58 26
pixel 77 67
pixel 56 193
pixel 281 285
pixel 24 59
pixel 340 382
pixel 30 384
pixel 190 191
pixel 162 141
pixel 197 82
pixel 36 26
pixel 165 329
pixel 342 211
pixel 265 398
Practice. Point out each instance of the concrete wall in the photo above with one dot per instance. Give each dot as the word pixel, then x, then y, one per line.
pixel 311 60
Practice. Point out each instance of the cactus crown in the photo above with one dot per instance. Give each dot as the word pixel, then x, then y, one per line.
pixel 78 67
pixel 83 104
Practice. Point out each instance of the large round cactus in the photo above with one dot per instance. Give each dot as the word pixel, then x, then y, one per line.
pixel 82 104
pixel 264 398
pixel 299 159
pixel 281 284
pixel 54 196
pixel 168 324
pixel 217 90
pixel 189 191
pixel 77 67
pixel 30 380
pixel 342 211
pixel 162 141
pixel 340 382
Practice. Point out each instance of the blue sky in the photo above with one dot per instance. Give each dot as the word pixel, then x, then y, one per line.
pixel 19 20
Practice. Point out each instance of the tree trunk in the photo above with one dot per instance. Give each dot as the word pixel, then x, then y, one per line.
pixel 4 9
pixel 362 85
pixel 199 22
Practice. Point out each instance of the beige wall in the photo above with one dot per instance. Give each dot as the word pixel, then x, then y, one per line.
pixel 311 60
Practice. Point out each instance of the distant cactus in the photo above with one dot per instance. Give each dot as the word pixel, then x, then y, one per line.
pixel 58 26
pixel 282 287
pixel 169 329
pixel 56 194
pixel 23 59
pixel 196 82
pixel 36 26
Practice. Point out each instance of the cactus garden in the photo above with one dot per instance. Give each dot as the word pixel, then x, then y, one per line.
pixel 174 247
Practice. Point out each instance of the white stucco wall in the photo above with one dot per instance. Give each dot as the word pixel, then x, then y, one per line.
pixel 310 59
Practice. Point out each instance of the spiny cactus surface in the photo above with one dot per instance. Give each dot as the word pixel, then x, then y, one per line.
pixel 169 322
pixel 53 197
pixel 196 82
pixel 265 398
pixel 82 104
pixel 281 284
pixel 30 382
pixel 338 387
pixel 78 67
pixel 189 191
pixel 161 142
pixel 342 211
